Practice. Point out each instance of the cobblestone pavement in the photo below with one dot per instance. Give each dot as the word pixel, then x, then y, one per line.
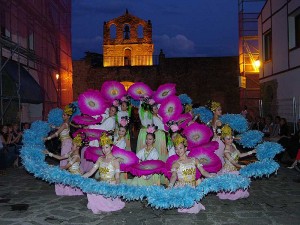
pixel 26 200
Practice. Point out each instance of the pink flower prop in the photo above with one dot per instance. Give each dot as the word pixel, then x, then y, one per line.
pixel 139 90
pixel 170 108
pixel 91 134
pixel 112 90
pixel 169 163
pixel 183 120
pixel 164 91
pixel 86 120
pixel 147 167
pixel 126 158
pixel 93 153
pixel 210 161
pixel 91 103
pixel 197 134
pixel 208 147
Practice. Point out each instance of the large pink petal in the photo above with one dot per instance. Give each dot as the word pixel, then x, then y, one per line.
pixel 112 90
pixel 91 103
pixel 170 108
pixel 197 134
pixel 147 167
pixel 139 90
pixel 164 91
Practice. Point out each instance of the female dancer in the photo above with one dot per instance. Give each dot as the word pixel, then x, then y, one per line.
pixel 216 125
pixel 109 169
pixel 66 143
pixel 144 154
pixel 231 165
pixel 184 171
pixel 160 142
pixel 73 162
pixel 120 139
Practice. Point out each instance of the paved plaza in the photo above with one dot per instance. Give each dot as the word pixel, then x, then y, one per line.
pixel 27 200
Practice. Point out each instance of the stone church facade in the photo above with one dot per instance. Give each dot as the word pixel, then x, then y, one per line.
pixel 128 58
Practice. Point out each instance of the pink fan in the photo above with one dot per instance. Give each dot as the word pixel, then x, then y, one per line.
pixel 209 147
pixel 164 91
pixel 91 134
pixel 127 158
pixel 147 167
pixel 197 134
pixel 169 163
pixel 183 120
pixel 93 153
pixel 139 90
pixel 170 108
pixel 91 103
pixel 86 120
pixel 210 161
pixel 112 90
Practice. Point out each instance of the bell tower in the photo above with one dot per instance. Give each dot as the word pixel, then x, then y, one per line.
pixel 127 41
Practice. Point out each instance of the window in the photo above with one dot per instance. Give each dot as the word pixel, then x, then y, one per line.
pixel 113 31
pixel 294 29
pixel 267 43
pixel 126 32
pixel 30 41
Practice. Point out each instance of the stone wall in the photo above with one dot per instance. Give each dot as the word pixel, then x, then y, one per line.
pixel 201 78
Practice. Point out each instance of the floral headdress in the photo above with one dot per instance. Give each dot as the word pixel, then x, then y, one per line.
pixel 124 121
pixel 105 139
pixel 69 109
pixel 180 139
pixel 188 108
pixel 173 126
pixel 151 129
pixel 214 105
pixel 147 103
pixel 77 140
pixel 226 131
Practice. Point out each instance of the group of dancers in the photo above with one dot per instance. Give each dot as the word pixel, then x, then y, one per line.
pixel 157 140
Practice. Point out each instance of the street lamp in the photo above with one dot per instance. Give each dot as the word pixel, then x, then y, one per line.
pixel 58 89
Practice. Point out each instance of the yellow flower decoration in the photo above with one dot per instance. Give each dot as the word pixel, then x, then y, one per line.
pixel 215 105
pixel 105 140
pixel 179 139
pixel 226 131
pixel 77 140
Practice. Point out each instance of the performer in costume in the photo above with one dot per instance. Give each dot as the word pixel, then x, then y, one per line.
pixel 121 142
pixel 147 153
pixel 73 162
pixel 124 112
pixel 66 141
pixel 109 169
pixel 160 140
pixel 146 119
pixel 184 171
pixel 232 155
pixel 216 126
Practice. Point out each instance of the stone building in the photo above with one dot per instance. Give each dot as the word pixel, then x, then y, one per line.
pixel 202 78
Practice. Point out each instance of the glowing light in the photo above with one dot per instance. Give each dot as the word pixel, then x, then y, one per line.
pixel 57 76
pixel 257 63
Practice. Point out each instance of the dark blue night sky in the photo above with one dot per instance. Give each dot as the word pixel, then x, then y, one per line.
pixel 191 28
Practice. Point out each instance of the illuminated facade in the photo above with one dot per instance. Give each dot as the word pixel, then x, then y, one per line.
pixel 127 41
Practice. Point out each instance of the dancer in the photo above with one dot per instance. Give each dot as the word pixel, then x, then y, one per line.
pixel 120 138
pixel 109 169
pixel 144 154
pixel 184 172
pixel 146 119
pixel 124 112
pixel 66 142
pixel 160 134
pixel 231 165
pixel 73 162
pixel 216 126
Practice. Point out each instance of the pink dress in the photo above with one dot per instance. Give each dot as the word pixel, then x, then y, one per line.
pixel 66 146
pixel 186 174
pixel 220 151
pixel 230 168
pixel 73 169
pixel 85 165
pixel 99 203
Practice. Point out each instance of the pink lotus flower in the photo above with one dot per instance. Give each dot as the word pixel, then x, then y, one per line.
pixel 151 101
pixel 151 129
pixel 116 103
pixel 123 122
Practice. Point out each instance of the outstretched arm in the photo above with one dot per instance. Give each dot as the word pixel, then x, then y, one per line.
pixel 93 170
pixel 55 156
pixel 202 170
